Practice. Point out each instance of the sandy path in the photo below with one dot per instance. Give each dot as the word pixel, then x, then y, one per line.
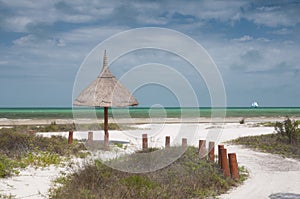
pixel 271 176
pixel 31 183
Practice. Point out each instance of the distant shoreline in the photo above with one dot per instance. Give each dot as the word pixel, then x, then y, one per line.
pixel 144 112
pixel 133 121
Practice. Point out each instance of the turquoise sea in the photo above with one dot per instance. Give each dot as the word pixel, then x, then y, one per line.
pixel 138 112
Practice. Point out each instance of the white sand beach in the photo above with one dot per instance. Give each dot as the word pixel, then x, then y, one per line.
pixel 269 174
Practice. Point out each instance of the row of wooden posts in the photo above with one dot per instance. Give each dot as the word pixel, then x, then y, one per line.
pixel 228 165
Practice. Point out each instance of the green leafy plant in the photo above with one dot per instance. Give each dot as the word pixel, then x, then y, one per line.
pixel 42 159
pixel 288 130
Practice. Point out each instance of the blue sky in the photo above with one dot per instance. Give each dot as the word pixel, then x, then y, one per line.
pixel 255 45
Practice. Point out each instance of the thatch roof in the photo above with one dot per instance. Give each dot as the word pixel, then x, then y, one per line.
pixel 105 91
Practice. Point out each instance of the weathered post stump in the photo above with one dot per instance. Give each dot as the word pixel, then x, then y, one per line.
pixel 145 141
pixel 184 143
pixel 202 149
pixel 167 144
pixel 234 170
pixel 211 154
pixel 225 166
pixel 219 154
pixel 90 138
pixel 70 138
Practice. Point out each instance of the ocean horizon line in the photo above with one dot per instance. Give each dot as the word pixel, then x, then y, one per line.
pixel 148 107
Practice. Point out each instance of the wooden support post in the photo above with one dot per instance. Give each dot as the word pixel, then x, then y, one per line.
pixel 184 143
pixel 70 138
pixel 234 170
pixel 225 166
pixel 202 149
pixel 219 154
pixel 211 154
pixel 90 138
pixel 145 141
pixel 167 145
pixel 106 136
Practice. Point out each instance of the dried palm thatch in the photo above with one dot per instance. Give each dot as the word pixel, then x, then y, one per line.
pixel 105 91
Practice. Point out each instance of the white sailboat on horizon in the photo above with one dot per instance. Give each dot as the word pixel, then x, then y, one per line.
pixel 254 104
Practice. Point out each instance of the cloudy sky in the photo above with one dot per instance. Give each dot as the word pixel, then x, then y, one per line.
pixel 255 45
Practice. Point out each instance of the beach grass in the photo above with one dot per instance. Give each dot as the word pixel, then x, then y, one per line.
pixel 55 127
pixel 187 177
pixel 285 142
pixel 18 150
pixel 270 143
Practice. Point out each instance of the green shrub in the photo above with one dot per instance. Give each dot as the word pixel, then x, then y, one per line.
pixel 139 183
pixel 8 167
pixel 288 130
pixel 242 121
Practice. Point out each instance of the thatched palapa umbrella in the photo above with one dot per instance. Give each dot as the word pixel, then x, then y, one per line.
pixel 105 91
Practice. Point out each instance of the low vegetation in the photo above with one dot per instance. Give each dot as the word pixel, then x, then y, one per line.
pixel 285 142
pixel 187 177
pixel 266 124
pixel 4 196
pixel 18 150
pixel 54 127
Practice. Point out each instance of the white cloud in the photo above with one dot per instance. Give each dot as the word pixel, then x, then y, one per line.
pixel 244 38
pixel 25 40
pixel 30 13
pixel 17 24
pixel 4 62
pixel 92 34
pixel 282 31
pixel 275 16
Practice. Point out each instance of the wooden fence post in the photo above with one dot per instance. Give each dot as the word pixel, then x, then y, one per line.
pixel 225 166
pixel 211 153
pixel 167 144
pixel 219 154
pixel 90 137
pixel 70 138
pixel 234 170
pixel 202 149
pixel 145 141
pixel 184 143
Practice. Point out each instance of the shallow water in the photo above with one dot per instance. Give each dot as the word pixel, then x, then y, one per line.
pixel 137 112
